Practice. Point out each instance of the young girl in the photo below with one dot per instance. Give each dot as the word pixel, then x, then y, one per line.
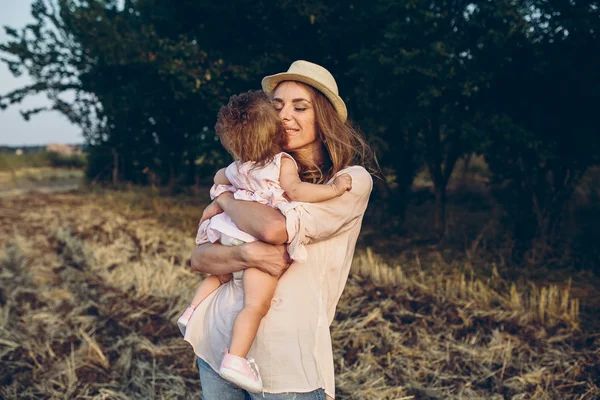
pixel 252 132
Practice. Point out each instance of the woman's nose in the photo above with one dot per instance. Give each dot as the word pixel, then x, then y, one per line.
pixel 285 114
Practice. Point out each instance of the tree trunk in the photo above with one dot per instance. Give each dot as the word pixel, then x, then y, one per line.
pixel 191 175
pixel 115 171
pixel 466 166
pixel 440 210
pixel 172 177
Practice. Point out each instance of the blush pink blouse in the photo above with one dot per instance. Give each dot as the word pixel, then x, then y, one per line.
pixel 293 346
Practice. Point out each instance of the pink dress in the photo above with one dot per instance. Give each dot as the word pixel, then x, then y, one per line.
pixel 250 183
pixel 293 343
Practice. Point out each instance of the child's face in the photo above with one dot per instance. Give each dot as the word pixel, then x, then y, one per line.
pixel 296 109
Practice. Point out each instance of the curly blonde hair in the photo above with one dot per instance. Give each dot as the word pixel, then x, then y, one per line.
pixel 250 128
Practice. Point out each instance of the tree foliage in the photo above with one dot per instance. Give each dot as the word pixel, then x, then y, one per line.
pixel 542 137
pixel 429 81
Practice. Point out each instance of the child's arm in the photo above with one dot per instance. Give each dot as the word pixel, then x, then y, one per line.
pixel 221 178
pixel 297 190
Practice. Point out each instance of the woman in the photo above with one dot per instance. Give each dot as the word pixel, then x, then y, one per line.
pixel 293 344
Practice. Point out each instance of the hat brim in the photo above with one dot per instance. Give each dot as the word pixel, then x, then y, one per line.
pixel 269 83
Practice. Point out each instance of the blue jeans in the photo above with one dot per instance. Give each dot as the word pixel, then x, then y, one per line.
pixel 216 388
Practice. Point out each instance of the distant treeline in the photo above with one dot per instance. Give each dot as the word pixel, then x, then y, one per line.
pixel 24 149
pixel 428 81
pixel 33 148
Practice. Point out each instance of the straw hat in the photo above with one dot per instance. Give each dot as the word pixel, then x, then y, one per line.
pixel 313 75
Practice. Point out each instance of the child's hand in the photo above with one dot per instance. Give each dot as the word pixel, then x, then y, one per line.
pixel 342 184
pixel 210 211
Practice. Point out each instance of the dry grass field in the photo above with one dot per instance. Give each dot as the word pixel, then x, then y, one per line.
pixel 91 285
pixel 45 179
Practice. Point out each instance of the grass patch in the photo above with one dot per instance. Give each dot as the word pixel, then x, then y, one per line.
pixel 34 176
pixel 10 161
pixel 91 286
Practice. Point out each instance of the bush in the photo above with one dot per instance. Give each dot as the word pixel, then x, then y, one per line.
pixel 11 161
pixel 61 161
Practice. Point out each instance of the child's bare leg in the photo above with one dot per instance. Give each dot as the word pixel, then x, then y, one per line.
pixel 209 285
pixel 259 288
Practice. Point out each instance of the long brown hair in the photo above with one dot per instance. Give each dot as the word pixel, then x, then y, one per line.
pixel 250 129
pixel 344 145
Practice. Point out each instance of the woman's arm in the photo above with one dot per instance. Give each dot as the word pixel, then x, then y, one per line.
pixel 261 221
pixel 312 222
pixel 307 192
pixel 217 259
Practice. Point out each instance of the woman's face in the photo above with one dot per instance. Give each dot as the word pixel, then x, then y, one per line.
pixel 296 109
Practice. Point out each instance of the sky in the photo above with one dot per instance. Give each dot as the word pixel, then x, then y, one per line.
pixel 43 128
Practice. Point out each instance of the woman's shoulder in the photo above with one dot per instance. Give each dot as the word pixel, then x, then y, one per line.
pixel 357 171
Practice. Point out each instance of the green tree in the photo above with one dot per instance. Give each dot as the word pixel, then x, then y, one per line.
pixel 138 96
pixel 542 115
pixel 146 79
pixel 422 68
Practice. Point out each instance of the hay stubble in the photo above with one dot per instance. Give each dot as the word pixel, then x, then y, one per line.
pixel 89 295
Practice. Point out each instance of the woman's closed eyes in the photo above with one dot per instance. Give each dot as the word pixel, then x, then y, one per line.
pixel 279 107
pixel 299 104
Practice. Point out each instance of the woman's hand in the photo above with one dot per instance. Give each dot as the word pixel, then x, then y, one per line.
pixel 210 211
pixel 216 259
pixel 272 259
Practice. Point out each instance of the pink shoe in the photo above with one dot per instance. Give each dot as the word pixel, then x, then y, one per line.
pixel 241 371
pixel 184 319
